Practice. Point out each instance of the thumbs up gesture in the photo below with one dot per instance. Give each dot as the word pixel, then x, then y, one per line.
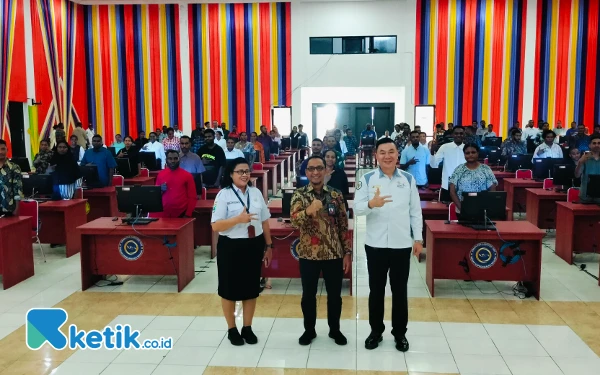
pixel 379 200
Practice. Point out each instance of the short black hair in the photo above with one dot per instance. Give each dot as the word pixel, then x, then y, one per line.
pixel 130 137
pixel 184 137
pixel 578 125
pixel 207 122
pixel 457 127
pixel 317 140
pixel 74 136
pixel 45 140
pixel 209 131
pixel 383 141
pixel 171 151
pixel 516 131
pixel 316 157
pixel 414 131
pixel 3 142
pixel 594 137
pixel 97 136
pixel 78 124
pixel 255 133
pixel 471 145
pixel 152 133
pixel 243 133
pixel 117 135
pixel 546 132
pixel 229 168
pixel 422 133
pixel 330 150
pixel 170 130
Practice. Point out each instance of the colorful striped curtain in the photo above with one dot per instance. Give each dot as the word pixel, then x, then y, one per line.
pixel 240 62
pixel 470 59
pixel 567 69
pixel 134 72
pixel 8 15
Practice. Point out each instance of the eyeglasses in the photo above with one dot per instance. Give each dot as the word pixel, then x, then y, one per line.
pixel 242 172
pixel 312 169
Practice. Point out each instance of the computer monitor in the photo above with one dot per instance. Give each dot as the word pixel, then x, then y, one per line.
pixel 543 168
pixel 495 158
pixel 113 151
pixel 23 163
pixel 90 176
pixel 563 175
pixel 136 200
pixel 368 141
pixel 482 207
pixel 286 204
pixel 484 152
pixel 492 141
pixel 149 160
pixel 37 184
pixel 562 139
pixel 123 166
pixel 531 146
pixel 516 162
pixel 286 143
pixel 434 175
pixel 593 186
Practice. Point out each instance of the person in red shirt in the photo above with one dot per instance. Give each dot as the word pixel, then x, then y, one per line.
pixel 178 187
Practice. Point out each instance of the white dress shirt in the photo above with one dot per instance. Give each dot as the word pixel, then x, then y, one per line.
pixel 388 226
pixel 222 143
pixel 530 133
pixel 233 154
pixel 90 134
pixel 488 135
pixel 559 133
pixel 158 149
pixel 343 147
pixel 178 133
pixel 553 151
pixel 452 156
pixel 227 205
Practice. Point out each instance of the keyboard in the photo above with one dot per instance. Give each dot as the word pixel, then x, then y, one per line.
pixel 477 225
pixel 138 221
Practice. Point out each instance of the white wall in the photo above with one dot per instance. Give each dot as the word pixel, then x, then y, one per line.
pixel 352 78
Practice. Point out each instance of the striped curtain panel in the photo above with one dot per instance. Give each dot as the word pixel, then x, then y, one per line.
pixel 567 69
pixel 470 59
pixel 8 15
pixel 133 68
pixel 240 62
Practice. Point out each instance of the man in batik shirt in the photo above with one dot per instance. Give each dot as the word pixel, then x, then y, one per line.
pixel 325 245
pixel 514 145
pixel 11 184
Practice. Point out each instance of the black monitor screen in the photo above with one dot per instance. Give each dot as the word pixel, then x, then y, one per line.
pixel 137 199
pixel 543 168
pixel 149 160
pixel 286 204
pixel 90 176
pixel 593 187
pixel 23 163
pixel 37 184
pixel 492 141
pixel 516 162
pixel 563 175
pixel 123 167
pixel 476 207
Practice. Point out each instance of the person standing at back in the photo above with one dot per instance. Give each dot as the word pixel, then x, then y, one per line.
pixel 415 158
pixel 178 188
pixel 11 184
pixel 102 159
pixel 389 199
pixel 451 154
pixel 265 140
pixel 81 135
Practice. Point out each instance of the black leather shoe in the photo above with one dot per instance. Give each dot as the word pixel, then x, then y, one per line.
pixel 402 344
pixel 249 336
pixel 373 340
pixel 307 338
pixel 234 337
pixel 338 337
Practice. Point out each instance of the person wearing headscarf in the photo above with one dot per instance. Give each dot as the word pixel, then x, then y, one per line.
pixel 65 171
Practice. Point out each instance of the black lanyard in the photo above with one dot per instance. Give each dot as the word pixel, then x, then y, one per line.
pixel 240 199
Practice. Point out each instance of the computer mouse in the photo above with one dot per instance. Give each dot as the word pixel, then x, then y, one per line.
pixel 115 218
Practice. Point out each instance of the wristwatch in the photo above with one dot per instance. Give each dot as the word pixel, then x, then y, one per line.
pixel 419 241
pixel 269 245
pixel 348 252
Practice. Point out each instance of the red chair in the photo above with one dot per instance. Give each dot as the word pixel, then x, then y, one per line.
pixel 573 194
pixel 452 212
pixel 31 208
pixel 524 173
pixel 144 172
pixel 257 166
pixel 118 180
pixel 548 183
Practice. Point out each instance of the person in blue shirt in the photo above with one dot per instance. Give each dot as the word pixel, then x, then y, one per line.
pixel 572 130
pixel 102 159
pixel 580 140
pixel 415 159
pixel 368 138
pixel 317 149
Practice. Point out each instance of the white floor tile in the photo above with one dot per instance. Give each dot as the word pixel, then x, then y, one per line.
pixel 508 331
pixel 75 368
pixel 328 359
pixel 189 356
pixel 430 362
pixel 433 329
pixel 573 348
pixel 549 333
pixel 284 358
pixel 178 370
pixel 481 364
pixel 324 342
pixel 237 356
pixel 424 344
pixel 208 323
pixel 170 322
pixel 532 365
pixel 12 320
pixel 175 334
pixel 380 361
pixel 137 322
pixel 578 366
pixel 474 346
pixel 282 340
pixel 518 347
pixel 292 325
pixel 201 338
pixel 128 369
pixel 464 330
pixel 141 356
pixel 94 356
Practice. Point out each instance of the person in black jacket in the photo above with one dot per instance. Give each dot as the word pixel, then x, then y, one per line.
pixel 130 152
pixel 335 177
pixel 65 171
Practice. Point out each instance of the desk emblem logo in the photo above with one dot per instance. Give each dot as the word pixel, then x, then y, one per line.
pixel 483 255
pixel 131 248
pixel 294 248
pixel 87 208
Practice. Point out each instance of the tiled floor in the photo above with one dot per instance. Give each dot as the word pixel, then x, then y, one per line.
pixel 469 328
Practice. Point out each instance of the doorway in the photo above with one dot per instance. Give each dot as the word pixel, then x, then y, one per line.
pixel 16 124
pixel 354 115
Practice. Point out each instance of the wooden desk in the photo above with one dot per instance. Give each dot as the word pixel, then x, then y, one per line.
pixel 515 193
pixel 276 208
pixel 449 244
pixel 283 264
pixel 58 222
pixel 272 167
pixel 140 181
pixel 16 253
pixel 428 195
pixel 203 235
pixel 541 207
pixel 102 202
pixel 500 176
pixel 261 183
pixel 577 229
pixel 101 254
pixel 153 173
pixel 432 211
pixel 284 166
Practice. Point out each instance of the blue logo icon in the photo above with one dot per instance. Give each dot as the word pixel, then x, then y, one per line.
pixel 483 255
pixel 131 248
pixel 43 326
pixel 293 248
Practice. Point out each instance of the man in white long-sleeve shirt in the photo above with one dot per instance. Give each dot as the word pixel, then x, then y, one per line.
pixel 451 154
pixel 154 146
pixel 548 149
pixel 389 198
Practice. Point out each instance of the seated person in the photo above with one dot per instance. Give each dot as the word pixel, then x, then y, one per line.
pixel 178 188
pixel 258 147
pixel 102 159
pixel 548 149
pixel 580 140
pixel 244 146
pixel 514 145
pixel 471 177
pixel 589 164
pixel 574 155
pixel 489 133
pixel 231 152
pixel 470 136
pixel 317 148
pixel 11 182
pixel 131 153
pixel 41 162
pixel 334 176
pixel 118 144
